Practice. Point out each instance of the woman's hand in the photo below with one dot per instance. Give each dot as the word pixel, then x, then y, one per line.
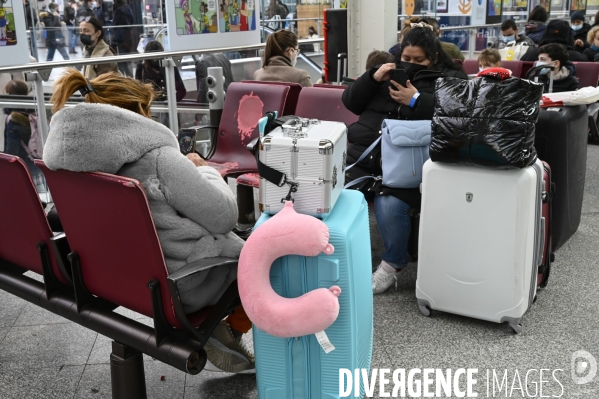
pixel 383 73
pixel 196 159
pixel 579 43
pixel 402 95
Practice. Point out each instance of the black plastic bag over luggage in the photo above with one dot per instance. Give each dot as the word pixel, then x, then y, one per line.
pixel 486 122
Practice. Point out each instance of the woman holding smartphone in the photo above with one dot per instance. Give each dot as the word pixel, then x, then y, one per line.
pixel 375 97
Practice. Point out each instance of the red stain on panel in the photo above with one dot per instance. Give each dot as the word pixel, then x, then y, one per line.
pixel 251 109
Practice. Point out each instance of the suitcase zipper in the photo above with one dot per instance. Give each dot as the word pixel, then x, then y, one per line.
pixel 294 167
pixel 303 341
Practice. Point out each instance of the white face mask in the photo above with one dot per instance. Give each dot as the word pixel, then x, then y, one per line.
pixel 293 58
pixel 94 4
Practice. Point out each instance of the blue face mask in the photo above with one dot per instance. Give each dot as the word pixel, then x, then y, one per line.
pixel 507 39
pixel 543 71
pixel 594 48
pixel 576 27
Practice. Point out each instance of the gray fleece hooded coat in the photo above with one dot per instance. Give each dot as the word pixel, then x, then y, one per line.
pixel 193 208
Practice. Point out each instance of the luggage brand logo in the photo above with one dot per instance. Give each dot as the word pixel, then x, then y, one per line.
pixel 469 197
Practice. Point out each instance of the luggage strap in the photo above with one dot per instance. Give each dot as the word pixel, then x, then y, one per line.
pixel 277 178
pixel 362 157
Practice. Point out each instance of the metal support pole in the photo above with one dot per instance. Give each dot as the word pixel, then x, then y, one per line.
pixel 472 43
pixel 171 92
pixel 42 118
pixel 127 373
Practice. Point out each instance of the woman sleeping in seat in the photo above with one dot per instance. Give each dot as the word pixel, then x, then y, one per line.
pixel 193 208
pixel 375 98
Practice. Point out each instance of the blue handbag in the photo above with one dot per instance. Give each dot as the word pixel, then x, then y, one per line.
pixel 404 149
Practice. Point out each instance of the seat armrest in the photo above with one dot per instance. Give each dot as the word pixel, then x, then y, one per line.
pixel 200 265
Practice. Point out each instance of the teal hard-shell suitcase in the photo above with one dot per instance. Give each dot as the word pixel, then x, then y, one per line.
pixel 298 368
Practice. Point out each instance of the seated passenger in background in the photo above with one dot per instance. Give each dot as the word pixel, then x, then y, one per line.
pixel 92 37
pixel 280 57
pixel 375 98
pixel 509 33
pixel 489 58
pixel 555 57
pixel 192 206
pixel 149 71
pixel 17 130
pixel 593 39
pixel 580 29
pixel 559 32
pixel 406 28
pixel 536 24
pixel 451 49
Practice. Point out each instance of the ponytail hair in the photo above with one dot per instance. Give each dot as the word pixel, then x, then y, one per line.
pixel 109 88
pixel 277 43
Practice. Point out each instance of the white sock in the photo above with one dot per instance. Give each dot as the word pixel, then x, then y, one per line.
pixel 388 268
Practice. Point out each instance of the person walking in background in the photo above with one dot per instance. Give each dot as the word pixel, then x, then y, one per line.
pixel 53 29
pixel 84 11
pixel 277 13
pixel 98 9
pixel 30 17
pixel 70 21
pixel 122 37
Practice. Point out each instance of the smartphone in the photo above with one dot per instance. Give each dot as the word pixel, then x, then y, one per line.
pixel 400 76
pixel 187 140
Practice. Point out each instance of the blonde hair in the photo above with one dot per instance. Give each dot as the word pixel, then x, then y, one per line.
pixel 592 33
pixel 109 88
pixel 489 57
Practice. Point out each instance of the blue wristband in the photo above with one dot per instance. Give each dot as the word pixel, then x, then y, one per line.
pixel 413 100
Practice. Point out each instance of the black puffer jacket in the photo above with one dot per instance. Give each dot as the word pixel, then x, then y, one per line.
pixel 582 35
pixel 371 100
pixel 565 80
pixel 590 54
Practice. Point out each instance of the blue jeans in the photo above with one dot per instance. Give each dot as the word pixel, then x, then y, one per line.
pixel 52 47
pixel 73 38
pixel 393 220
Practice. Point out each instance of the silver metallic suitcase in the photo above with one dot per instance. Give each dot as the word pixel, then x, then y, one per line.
pixel 311 153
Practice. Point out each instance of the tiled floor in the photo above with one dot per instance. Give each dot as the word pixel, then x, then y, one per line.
pixel 45 356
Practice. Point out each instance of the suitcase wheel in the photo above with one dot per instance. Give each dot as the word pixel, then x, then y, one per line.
pixel 425 310
pixel 516 327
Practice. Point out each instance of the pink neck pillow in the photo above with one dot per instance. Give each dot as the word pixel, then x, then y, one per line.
pixel 286 233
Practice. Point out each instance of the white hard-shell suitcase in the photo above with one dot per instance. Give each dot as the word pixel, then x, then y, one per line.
pixel 312 154
pixel 480 241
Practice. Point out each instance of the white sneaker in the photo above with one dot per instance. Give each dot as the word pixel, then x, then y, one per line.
pixel 221 358
pixel 382 279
